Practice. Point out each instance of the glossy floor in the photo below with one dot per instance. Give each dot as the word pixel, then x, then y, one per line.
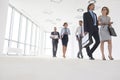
pixel 37 68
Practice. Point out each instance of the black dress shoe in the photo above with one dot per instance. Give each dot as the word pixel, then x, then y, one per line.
pixel 91 58
pixel 54 56
pixel 81 57
pixel 78 56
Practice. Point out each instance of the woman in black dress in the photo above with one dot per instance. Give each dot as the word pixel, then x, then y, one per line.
pixel 64 36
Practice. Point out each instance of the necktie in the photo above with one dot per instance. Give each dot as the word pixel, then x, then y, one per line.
pixel 94 18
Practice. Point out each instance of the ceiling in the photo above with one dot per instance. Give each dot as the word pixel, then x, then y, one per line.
pixel 48 13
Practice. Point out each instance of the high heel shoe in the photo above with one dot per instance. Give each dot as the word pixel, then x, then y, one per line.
pixel 110 58
pixel 64 56
pixel 103 58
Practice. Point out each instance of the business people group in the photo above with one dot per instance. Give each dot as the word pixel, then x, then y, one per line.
pixel 90 23
pixel 100 36
pixel 65 31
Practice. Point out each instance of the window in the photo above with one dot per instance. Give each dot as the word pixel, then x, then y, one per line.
pixel 21 46
pixel 5 47
pixel 33 34
pixel 27 50
pixel 37 36
pixel 15 26
pixel 28 35
pixel 22 29
pixel 22 35
pixel 9 17
pixel 48 44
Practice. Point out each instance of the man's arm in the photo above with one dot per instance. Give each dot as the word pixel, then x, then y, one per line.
pixel 85 22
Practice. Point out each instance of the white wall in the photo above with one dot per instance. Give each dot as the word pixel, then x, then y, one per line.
pixel 3 17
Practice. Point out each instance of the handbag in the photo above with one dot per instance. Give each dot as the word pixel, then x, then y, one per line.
pixel 112 31
pixel 86 41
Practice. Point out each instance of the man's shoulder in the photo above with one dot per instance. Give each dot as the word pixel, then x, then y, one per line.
pixel 86 12
pixel 52 32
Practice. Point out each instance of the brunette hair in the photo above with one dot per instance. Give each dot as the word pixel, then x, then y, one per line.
pixel 106 9
pixel 89 6
pixel 65 23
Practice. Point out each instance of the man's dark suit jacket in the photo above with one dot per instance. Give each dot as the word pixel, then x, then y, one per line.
pixel 89 23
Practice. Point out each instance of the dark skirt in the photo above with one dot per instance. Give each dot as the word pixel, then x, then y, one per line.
pixel 65 40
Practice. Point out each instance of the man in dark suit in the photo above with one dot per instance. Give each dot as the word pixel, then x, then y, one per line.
pixel 55 37
pixel 91 27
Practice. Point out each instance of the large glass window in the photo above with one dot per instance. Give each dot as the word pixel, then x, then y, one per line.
pixel 28 35
pixel 9 17
pixel 5 50
pixel 33 34
pixel 23 29
pixel 48 44
pixel 15 26
pixel 22 34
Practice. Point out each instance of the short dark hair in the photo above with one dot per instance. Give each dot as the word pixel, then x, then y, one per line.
pixel 89 6
pixel 80 21
pixel 106 9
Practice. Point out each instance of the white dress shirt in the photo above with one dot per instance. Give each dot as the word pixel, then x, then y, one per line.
pixel 79 31
pixel 65 31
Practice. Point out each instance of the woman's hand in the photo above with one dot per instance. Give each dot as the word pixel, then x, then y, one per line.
pixel 61 37
pixel 85 33
pixel 110 23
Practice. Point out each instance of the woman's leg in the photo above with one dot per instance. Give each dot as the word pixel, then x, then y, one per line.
pixel 110 49
pixel 64 51
pixel 102 49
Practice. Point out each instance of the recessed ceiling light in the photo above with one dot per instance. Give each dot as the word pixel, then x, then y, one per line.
pixel 78 17
pixel 58 19
pixel 92 1
pixel 80 10
pixel 49 20
pixel 53 23
pixel 47 12
pixel 56 1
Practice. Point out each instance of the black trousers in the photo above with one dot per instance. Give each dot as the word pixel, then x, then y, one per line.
pixel 95 35
pixel 55 46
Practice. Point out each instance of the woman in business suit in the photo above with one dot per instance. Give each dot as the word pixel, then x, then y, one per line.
pixel 91 27
pixel 64 36
pixel 104 22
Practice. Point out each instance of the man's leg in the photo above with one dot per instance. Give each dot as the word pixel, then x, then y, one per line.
pixel 97 41
pixel 56 45
pixel 80 45
pixel 53 49
pixel 78 55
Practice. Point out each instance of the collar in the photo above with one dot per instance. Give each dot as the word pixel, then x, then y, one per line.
pixel 90 11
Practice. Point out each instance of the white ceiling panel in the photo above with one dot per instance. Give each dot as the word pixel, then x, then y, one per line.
pixel 50 14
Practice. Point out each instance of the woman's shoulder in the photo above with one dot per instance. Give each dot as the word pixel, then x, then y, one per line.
pixel 108 17
pixel 62 28
pixel 100 16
